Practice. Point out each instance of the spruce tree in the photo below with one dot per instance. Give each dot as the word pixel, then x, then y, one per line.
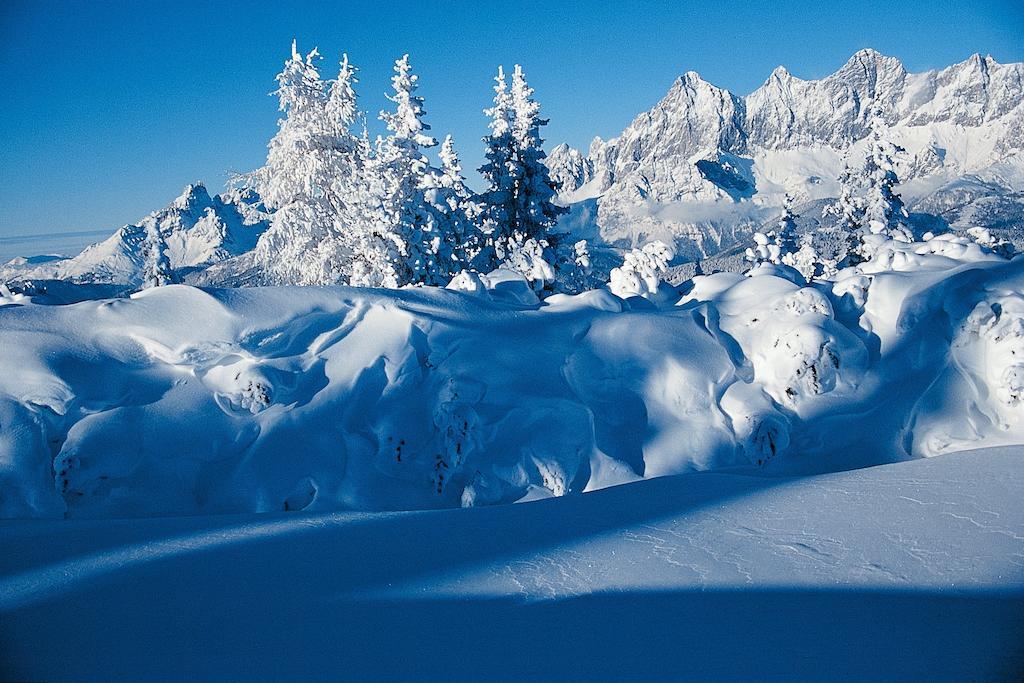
pixel 535 210
pixel 884 210
pixel 786 236
pixel 312 151
pixel 452 209
pixel 156 267
pixel 500 172
pixel 520 213
pixel 403 171
pixel 849 211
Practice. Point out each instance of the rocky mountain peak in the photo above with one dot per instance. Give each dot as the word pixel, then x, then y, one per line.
pixel 702 144
pixel 194 198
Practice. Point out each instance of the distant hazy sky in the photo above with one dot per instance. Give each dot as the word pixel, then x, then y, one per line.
pixel 109 108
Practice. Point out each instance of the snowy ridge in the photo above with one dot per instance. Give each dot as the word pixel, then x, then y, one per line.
pixel 188 400
pixel 704 161
pixel 199 230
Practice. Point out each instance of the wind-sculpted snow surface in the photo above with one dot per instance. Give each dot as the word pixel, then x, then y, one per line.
pixel 189 400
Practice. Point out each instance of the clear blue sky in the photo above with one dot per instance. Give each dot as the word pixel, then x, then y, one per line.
pixel 110 107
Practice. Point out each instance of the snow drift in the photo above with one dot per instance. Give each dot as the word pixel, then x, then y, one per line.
pixel 182 399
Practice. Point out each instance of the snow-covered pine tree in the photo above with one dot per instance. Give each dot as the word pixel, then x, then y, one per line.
pixel 884 211
pixel 786 236
pixel 849 212
pixel 806 258
pixel 777 246
pixel 764 249
pixel 534 212
pixel 452 209
pixel 500 172
pixel 403 172
pixel 518 208
pixel 304 179
pixel 156 267
pixel 377 248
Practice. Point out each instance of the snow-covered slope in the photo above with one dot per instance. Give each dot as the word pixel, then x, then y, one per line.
pixel 199 230
pixel 704 165
pixel 189 400
pixel 913 570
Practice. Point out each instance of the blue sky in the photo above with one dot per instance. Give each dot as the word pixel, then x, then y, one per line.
pixel 111 107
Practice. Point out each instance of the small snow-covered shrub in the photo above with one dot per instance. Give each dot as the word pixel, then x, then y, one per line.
pixel 762 432
pixel 995 330
pixel 996 245
pixel 528 259
pixel 641 271
pixel 469 282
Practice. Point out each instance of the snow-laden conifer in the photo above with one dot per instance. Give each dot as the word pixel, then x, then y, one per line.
pixel 884 211
pixel 778 246
pixel 451 211
pixel 309 179
pixel 786 236
pixel 849 213
pixel 535 210
pixel 500 172
pixel 156 266
pixel 519 209
pixel 403 169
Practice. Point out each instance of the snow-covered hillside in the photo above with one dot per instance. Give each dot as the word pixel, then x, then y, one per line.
pixel 199 230
pixel 704 166
pixel 913 570
pixel 188 400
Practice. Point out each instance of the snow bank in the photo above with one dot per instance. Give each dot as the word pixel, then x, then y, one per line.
pixel 185 400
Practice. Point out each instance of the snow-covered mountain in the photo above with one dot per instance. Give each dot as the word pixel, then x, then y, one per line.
pixel 199 229
pixel 705 165
pixel 702 169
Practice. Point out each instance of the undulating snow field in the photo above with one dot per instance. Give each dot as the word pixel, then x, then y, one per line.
pixel 913 570
pixel 182 400
pixel 249 482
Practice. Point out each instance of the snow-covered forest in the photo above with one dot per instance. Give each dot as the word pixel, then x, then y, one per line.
pixel 348 210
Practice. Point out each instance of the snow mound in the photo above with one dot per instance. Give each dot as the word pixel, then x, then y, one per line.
pixel 187 400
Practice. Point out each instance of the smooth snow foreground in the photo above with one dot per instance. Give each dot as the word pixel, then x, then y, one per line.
pixel 184 400
pixel 910 570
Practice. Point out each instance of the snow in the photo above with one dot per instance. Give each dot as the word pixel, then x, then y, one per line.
pixel 799 471
pixel 913 569
pixel 186 400
pixel 199 230
pixel 702 165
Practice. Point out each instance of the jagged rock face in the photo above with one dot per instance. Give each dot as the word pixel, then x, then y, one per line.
pixel 199 230
pixel 695 117
pixel 569 168
pixel 704 145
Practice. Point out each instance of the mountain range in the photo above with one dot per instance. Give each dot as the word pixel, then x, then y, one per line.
pixel 704 165
pixel 702 169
